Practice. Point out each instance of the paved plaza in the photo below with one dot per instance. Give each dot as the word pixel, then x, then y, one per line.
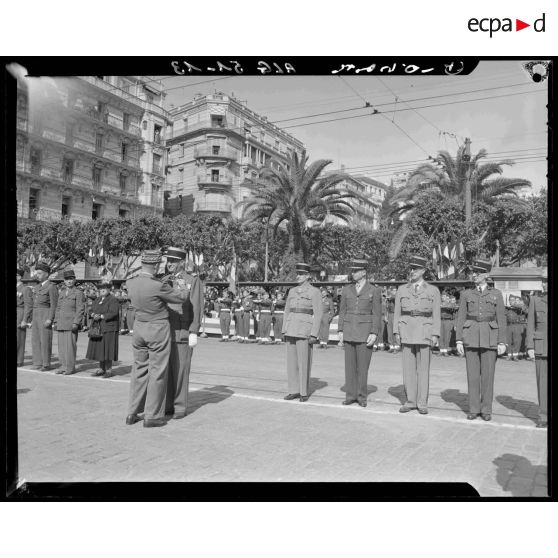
pixel 239 428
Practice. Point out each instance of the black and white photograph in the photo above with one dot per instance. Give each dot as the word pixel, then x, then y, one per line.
pixel 268 275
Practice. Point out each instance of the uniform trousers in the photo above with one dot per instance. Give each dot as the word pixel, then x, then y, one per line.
pixel 481 364
pixel 445 333
pixel 41 337
pixel 299 364
pixel 390 338
pixel 130 318
pixel 151 344
pixel 239 332
pixel 264 326
pixel 21 336
pixel 523 336
pixel 541 368
pixel 514 337
pixel 67 348
pixel 278 327
pixel 357 362
pixel 225 323
pixel 179 378
pixel 416 374
pixel 245 320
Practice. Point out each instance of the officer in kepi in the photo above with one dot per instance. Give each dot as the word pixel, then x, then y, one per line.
pixel 69 316
pixel 416 326
pixel 301 324
pixel 481 336
pixel 185 319
pixel 537 345
pixel 360 317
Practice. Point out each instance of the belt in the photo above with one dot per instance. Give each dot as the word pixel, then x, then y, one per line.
pixel 481 319
pixel 42 306
pixel 265 311
pixel 225 309
pixel 416 313
pixel 303 311
pixel 447 317
pixel 278 312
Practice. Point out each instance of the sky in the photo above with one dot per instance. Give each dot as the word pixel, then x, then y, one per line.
pixel 511 125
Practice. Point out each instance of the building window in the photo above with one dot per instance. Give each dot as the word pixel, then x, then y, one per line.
pixel 247 129
pixel 149 97
pixel 217 122
pixel 98 142
pixel 122 183
pixel 215 149
pixel 126 121
pixel 67 171
pixel 182 150
pixel 214 175
pixel 33 201
pixel 96 177
pixel 122 213
pixel 156 164
pixel 124 153
pixel 36 160
pixel 102 111
pixel 157 134
pixel 185 123
pixel 66 206
pixel 277 145
pixel 144 124
pixel 96 211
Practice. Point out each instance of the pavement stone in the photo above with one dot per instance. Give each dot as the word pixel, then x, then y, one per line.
pixel 71 428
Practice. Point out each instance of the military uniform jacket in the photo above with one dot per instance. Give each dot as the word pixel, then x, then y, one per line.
pixel 46 296
pixel 248 304
pixel 70 308
pixel 360 314
pixel 327 308
pixel 223 303
pixel 307 323
pixel 489 307
pixel 266 305
pixel 24 304
pixel 149 296
pixel 416 329
pixel 186 316
pixel 536 336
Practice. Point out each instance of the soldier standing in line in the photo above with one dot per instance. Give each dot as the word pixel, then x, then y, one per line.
pixel 236 310
pixel 224 307
pixel 537 345
pixel 360 316
pixel 446 315
pixel 278 313
pixel 416 325
pixel 247 311
pixel 24 314
pixel 68 318
pixel 45 299
pixel 184 318
pixel 151 342
pixel 513 328
pixel 327 316
pixel 481 336
pixel 265 307
pixel 303 315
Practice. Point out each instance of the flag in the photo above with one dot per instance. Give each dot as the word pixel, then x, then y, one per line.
pixel 451 262
pixel 435 260
pixel 232 275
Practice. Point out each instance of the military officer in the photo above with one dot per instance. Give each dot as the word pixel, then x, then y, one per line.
pixel 24 314
pixel 537 346
pixel 360 318
pixel 301 324
pixel 481 336
pixel 416 326
pixel 185 319
pixel 151 341
pixel 236 311
pixel 247 311
pixel 224 308
pixel 45 299
pixel 68 318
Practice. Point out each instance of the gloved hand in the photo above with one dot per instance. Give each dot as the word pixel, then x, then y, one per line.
pixel 75 328
pixel 460 349
pixel 531 353
pixel 501 348
pixel 48 324
pixel 192 340
pixel 435 340
pixel 371 339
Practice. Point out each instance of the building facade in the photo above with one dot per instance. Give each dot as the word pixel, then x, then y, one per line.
pixel 215 147
pixel 81 151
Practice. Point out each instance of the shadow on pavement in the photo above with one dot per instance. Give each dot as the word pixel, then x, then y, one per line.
pixel 201 397
pixel 527 408
pixel 316 384
pixel 517 475
pixel 23 390
pixel 370 388
pixel 399 393
pixel 457 398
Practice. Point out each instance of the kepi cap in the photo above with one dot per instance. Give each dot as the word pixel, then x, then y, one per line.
pixel 69 274
pixel 302 268
pixel 42 266
pixel 151 257
pixel 482 266
pixel 358 263
pixel 175 253
pixel 416 262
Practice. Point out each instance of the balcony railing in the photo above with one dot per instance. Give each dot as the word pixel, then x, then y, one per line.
pixel 157 169
pixel 221 207
pixel 208 153
pixel 217 181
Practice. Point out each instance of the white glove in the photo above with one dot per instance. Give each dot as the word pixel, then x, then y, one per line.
pixel 192 339
pixel 531 353
pixel 340 337
pixel 501 348
pixel 371 339
pixel 460 348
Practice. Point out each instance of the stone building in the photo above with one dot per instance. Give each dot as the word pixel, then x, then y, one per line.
pixel 216 145
pixel 83 149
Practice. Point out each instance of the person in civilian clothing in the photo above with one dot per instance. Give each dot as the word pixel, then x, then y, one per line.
pixel 24 314
pixel 303 315
pixel 278 313
pixel 360 316
pixel 104 311
pixel 45 298
pixel 536 341
pixel 327 316
pixel 481 337
pixel 69 316
pixel 416 326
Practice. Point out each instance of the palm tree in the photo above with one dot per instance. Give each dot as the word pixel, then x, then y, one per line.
pixel 295 196
pixel 447 177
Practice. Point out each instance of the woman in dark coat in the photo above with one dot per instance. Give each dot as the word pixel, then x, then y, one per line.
pixel 105 310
